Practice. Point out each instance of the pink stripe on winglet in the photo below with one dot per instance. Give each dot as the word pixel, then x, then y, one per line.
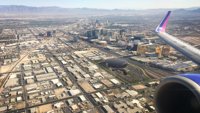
pixel 162 26
pixel 165 24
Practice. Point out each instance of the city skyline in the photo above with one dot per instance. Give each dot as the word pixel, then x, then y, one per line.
pixel 111 4
pixel 99 56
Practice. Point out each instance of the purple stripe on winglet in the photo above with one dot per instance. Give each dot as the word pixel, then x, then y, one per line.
pixel 162 26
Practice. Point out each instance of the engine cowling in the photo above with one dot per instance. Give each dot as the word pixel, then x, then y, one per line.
pixel 178 94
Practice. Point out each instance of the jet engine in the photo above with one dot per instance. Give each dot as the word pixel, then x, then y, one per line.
pixel 179 94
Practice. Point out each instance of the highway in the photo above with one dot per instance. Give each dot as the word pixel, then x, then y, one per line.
pixel 143 71
pixel 73 79
pixel 86 94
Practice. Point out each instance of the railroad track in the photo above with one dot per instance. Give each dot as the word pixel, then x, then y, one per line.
pixel 10 70
pixel 3 82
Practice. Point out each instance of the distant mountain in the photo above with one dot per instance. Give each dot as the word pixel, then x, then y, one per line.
pixel 23 10
pixel 45 10
pixel 197 10
pixel 27 9
pixel 193 8
pixel 189 10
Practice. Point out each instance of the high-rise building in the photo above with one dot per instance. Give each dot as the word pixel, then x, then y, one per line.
pixel 158 51
pixel 141 49
pixel 162 51
pixel 93 34
pixel 166 51
pixel 49 34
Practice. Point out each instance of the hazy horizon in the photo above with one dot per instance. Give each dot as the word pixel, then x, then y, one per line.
pixel 111 4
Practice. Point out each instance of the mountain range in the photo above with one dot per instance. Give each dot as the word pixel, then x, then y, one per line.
pixel 23 10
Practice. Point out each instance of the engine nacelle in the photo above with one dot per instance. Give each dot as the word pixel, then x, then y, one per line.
pixel 179 94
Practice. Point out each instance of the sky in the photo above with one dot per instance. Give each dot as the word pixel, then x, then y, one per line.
pixel 107 4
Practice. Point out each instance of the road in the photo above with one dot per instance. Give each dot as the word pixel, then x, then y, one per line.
pixel 25 54
pixel 144 71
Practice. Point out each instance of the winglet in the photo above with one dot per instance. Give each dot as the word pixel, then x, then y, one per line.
pixel 162 26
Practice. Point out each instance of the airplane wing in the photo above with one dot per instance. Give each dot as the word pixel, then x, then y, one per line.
pixel 186 49
pixel 180 93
